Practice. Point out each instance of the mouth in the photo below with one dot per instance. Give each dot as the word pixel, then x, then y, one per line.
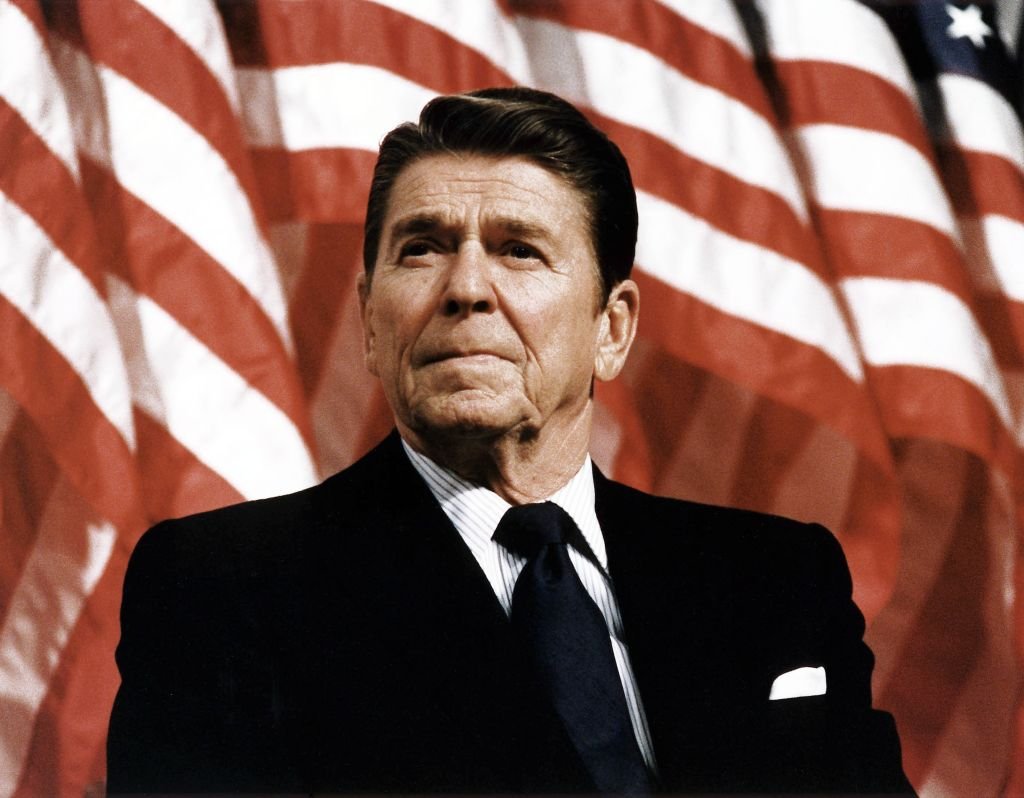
pixel 469 356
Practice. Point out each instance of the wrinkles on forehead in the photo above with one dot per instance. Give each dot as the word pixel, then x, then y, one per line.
pixel 430 184
pixel 436 194
pixel 429 223
pixel 451 198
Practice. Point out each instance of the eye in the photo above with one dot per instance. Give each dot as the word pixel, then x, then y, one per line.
pixel 416 249
pixel 519 251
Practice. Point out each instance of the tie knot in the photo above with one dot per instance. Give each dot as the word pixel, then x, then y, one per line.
pixel 526 528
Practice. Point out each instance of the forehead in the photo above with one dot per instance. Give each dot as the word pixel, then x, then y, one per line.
pixel 455 189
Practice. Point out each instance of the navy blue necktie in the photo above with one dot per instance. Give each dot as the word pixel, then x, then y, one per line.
pixel 565 639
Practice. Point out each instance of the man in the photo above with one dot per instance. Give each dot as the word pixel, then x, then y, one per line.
pixel 472 607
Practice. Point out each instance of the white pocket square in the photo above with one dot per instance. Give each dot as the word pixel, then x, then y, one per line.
pixel 798 683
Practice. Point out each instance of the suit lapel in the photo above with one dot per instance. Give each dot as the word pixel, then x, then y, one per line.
pixel 676 616
pixel 654 633
pixel 434 643
pixel 402 526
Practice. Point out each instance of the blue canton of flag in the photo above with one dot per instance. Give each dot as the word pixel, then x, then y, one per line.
pixel 960 38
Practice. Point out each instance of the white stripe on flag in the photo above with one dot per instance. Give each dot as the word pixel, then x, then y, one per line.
pixel 871 172
pixel 634 87
pixel 326 105
pixel 479 25
pixel 174 170
pixel 225 422
pixel 198 25
pixel 980 119
pixel 53 589
pixel 1003 241
pixel 913 323
pixel 715 17
pixel 25 68
pixel 56 298
pixel 838 32
pixel 742 279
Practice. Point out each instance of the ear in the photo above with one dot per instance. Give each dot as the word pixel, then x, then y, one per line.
pixel 618 328
pixel 366 316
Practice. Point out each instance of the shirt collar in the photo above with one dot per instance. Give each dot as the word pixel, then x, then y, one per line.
pixel 475 510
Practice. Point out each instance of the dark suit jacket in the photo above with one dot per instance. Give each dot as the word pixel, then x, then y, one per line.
pixel 344 639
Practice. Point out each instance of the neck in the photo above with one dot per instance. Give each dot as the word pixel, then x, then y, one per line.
pixel 520 466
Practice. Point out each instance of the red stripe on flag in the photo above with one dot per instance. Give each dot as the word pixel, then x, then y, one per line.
pixel 874 504
pixel 67 752
pixel 301 32
pixel 320 185
pixel 189 89
pixel 947 636
pixel 46 191
pixel 76 432
pixel 981 183
pixel 1002 319
pixel 809 96
pixel 159 261
pixel 743 210
pixel 920 402
pixel 773 438
pixel 32 11
pixel 1015 779
pixel 768 362
pixel 669 392
pixel 875 245
pixel 631 463
pixel 27 477
pixel 333 259
pixel 175 482
pixel 665 389
pixel 695 52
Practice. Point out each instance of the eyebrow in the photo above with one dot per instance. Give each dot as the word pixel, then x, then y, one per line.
pixel 521 229
pixel 416 225
pixel 421 223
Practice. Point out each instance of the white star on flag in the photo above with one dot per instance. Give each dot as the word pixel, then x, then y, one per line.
pixel 967 22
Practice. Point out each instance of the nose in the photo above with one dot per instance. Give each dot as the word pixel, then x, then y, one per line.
pixel 469 287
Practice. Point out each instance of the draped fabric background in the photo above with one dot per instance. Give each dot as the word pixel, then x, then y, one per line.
pixel 831 257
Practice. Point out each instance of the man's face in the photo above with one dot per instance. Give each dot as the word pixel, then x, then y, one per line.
pixel 483 315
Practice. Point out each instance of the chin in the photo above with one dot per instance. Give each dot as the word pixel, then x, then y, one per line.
pixel 467 419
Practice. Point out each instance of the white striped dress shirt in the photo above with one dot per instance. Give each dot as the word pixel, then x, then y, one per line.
pixel 475 511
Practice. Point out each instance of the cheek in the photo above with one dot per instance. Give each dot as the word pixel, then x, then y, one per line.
pixel 386 347
pixel 562 340
pixel 398 320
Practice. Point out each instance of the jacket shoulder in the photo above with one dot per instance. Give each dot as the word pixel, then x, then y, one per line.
pixel 708 525
pixel 273 530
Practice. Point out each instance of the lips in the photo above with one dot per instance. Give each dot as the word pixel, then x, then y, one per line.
pixel 460 354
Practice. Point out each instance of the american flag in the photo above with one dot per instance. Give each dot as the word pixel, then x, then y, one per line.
pixel 831 257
